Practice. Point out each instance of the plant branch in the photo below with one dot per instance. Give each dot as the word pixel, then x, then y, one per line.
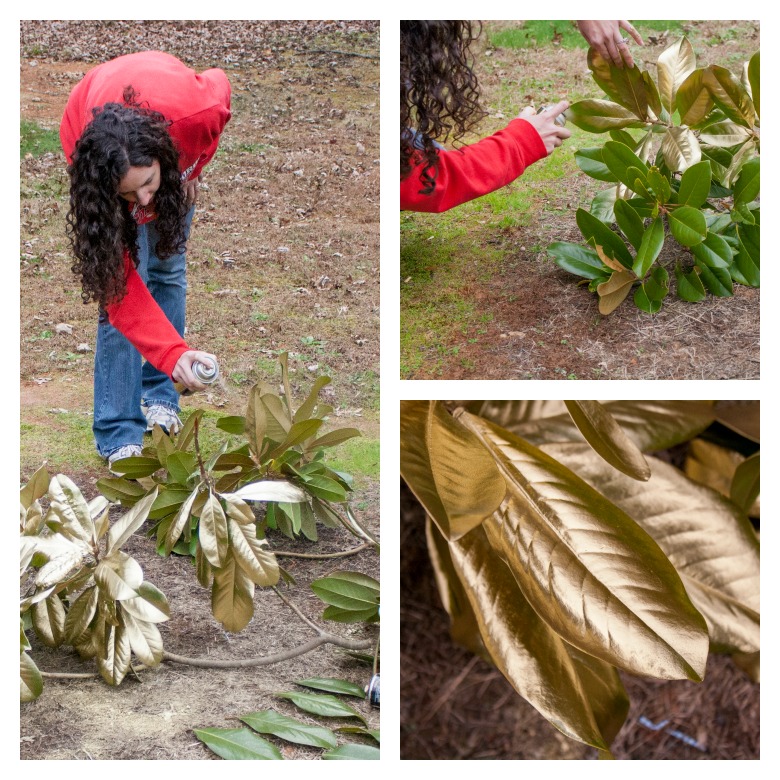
pixel 323 556
pixel 297 611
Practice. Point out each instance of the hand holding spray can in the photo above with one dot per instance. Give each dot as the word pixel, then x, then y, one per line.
pixel 559 120
pixel 207 373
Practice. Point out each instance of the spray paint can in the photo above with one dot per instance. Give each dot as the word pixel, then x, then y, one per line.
pixel 207 373
pixel 372 691
pixel 559 120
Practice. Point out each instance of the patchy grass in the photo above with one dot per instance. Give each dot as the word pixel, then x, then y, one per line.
pixel 37 140
pixel 358 457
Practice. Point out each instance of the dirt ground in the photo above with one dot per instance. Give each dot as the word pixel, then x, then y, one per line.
pixel 534 321
pixel 284 255
pixel 456 706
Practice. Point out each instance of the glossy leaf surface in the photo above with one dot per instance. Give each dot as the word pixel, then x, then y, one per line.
pixel 688 225
pixel 680 148
pixel 324 705
pixel 624 85
pixel 238 744
pixel 289 729
pixel 650 247
pixel 352 752
pixel 231 596
pixel 332 685
pixel 599 116
pixel 675 64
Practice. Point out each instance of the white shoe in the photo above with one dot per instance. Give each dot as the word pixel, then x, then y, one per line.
pixel 164 416
pixel 127 451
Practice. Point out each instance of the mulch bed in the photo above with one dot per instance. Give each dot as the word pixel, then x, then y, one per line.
pixel 456 706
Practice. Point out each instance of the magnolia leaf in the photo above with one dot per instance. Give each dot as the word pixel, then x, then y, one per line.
pixel 252 554
pixel 289 729
pixel 269 490
pixel 332 685
pixel 333 438
pixel 30 680
pixel 597 233
pixel 725 133
pixel 277 417
pixel 238 744
pixel 632 225
pixel 746 187
pixel 349 591
pixel 307 408
pixel 36 488
pixel 693 99
pixel 712 465
pixel 620 160
pixel 233 424
pixel 145 640
pixel 688 225
pixel 623 85
pixel 231 596
pixel 70 507
pixel 187 433
pixel 114 660
pixel 464 626
pixel 695 184
pixel 179 522
pixel 675 64
pixel 729 95
pixel 80 615
pixel 325 488
pixel 680 148
pixel 599 116
pixel 607 438
pixel 122 491
pixel 256 421
pixel 588 569
pixel 373 733
pixel 323 705
pixel 119 576
pixel 689 286
pixel 607 261
pixel 708 540
pixel 753 72
pixel 135 467
pixel 713 251
pixel 299 432
pixel 130 522
pixel 743 418
pixel 60 566
pixel 659 185
pixel 213 531
pixel 150 606
pixel 602 207
pixel 650 247
pixel 591 161
pixel 614 291
pixel 716 280
pixel 505 412
pixel 533 658
pixel 650 294
pixel 434 448
pixel 352 752
pixel 48 618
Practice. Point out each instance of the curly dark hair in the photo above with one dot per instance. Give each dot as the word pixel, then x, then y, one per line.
pixel 439 91
pixel 100 224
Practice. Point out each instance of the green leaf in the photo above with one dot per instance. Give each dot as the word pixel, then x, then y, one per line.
pixel 714 251
pixel 591 161
pixel 688 225
pixel 577 259
pixel 607 438
pixel 323 705
pixel 238 744
pixel 181 466
pixel 746 483
pixel 186 435
pixel 650 295
pixel 602 206
pixel 619 159
pixel 644 302
pixel 716 280
pixel 599 116
pixel 599 234
pixel 650 247
pixel 136 467
pixel 121 491
pixel 373 733
pixel 754 71
pixel 659 185
pixel 307 408
pixel 632 225
pixel 332 685
pixel 325 488
pixel 284 727
pixel 620 599
pixel 232 424
pixel 434 447
pixel 348 590
pixel 747 186
pixel 352 752
pixel 695 184
pixel 689 286
pixel 333 438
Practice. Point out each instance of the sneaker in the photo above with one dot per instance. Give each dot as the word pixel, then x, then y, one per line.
pixel 164 416
pixel 128 451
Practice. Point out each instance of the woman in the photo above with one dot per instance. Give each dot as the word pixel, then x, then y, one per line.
pixel 440 99
pixel 137 132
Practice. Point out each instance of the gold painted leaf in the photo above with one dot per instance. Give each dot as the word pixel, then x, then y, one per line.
pixel 710 542
pixel 80 615
pixel 253 555
pixel 614 291
pixel 36 488
pixel 70 507
pixel 506 412
pixel 729 95
pixel 675 64
pixel 624 85
pixel 213 531
pixel 609 440
pixel 48 618
pixel 256 421
pixel 680 148
pixel 599 116
pixel 535 660
pixel 231 596
pixel 203 570
pixel 725 133
pixel 447 468
pixel 743 418
pixel 694 101
pixel 151 606
pixel 30 680
pixel 179 522
pixel 750 663
pixel 592 574
pixel 144 638
pixel 130 522
pixel 746 485
pixel 119 576
pixel 114 662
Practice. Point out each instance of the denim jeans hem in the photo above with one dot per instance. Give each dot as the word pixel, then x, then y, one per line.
pixel 147 403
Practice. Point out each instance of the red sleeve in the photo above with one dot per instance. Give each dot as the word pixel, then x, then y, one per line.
pixel 475 170
pixel 143 323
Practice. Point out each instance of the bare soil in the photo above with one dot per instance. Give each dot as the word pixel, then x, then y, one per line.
pixel 284 256
pixel 535 321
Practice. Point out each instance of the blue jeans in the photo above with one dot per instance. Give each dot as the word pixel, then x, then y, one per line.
pixel 123 381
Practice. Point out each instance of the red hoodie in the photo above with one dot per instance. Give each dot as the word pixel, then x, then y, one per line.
pixel 198 108
pixel 475 170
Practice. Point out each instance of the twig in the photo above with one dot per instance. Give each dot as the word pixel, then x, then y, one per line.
pixel 297 611
pixel 314 556
pixel 343 53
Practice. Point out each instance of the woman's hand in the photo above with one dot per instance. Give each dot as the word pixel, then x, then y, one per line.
pixel 182 372
pixel 607 40
pixel 191 187
pixel 552 135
